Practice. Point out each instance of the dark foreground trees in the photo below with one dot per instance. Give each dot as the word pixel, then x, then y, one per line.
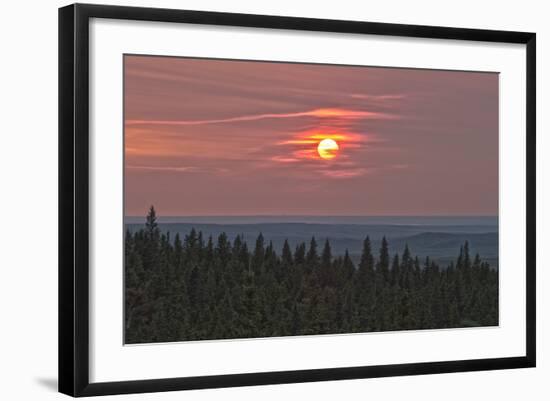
pixel 197 288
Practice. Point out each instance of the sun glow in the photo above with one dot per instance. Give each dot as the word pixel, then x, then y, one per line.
pixel 328 148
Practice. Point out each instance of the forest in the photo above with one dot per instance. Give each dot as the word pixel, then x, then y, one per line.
pixel 197 288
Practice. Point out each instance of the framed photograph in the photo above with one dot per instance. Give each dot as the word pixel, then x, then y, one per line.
pixel 250 199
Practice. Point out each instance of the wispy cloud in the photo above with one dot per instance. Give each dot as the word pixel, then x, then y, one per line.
pixel 319 113
pixel 186 169
pixel 344 173
pixel 302 146
pixel 314 136
pixel 365 96
pixel 283 159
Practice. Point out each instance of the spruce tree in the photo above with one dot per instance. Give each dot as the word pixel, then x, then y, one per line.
pixel 384 260
pixel 194 289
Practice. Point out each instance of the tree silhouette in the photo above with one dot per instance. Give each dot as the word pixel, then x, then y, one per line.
pixel 195 289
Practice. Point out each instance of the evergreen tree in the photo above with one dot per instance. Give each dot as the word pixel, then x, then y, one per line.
pixel 151 226
pixel 312 259
pixel 286 254
pixel 193 289
pixel 258 255
pixel 326 274
pixel 384 261
pixel 300 254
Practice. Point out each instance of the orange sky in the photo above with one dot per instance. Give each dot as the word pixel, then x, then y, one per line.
pixel 215 137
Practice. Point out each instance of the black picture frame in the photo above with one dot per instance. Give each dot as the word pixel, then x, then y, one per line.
pixel 74 198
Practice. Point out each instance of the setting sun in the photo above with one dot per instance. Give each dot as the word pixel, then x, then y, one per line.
pixel 327 148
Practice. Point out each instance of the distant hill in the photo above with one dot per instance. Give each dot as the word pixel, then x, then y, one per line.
pixel 445 246
pixel 439 241
pixel 353 220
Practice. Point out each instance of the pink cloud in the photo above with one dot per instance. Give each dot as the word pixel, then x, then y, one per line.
pixel 179 169
pixel 176 169
pixel 376 97
pixel 319 113
pixel 342 173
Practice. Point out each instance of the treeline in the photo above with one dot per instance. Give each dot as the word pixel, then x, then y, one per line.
pixel 199 288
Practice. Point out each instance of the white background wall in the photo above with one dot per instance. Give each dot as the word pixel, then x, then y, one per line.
pixel 28 199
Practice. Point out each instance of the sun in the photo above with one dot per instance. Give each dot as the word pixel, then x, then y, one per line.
pixel 327 148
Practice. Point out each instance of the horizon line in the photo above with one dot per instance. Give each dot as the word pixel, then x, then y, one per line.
pixel 319 215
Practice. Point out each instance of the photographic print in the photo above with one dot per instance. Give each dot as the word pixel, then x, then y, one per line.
pixel 268 199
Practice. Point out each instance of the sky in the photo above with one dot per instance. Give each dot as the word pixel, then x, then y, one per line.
pixel 210 137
